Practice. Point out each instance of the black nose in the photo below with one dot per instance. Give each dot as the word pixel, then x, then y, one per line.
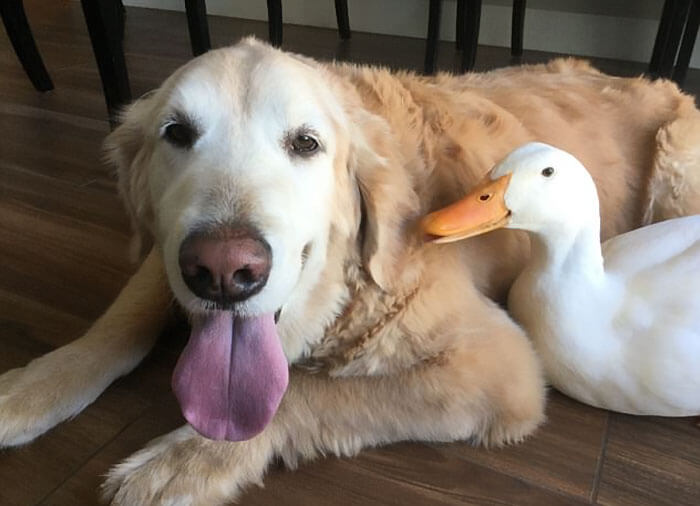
pixel 225 264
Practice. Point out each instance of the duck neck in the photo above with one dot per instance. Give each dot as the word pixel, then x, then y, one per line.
pixel 569 250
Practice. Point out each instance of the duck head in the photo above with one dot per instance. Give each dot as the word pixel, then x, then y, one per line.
pixel 537 188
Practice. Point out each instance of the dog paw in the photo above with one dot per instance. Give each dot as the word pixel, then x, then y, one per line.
pixel 515 421
pixel 26 405
pixel 500 434
pixel 37 397
pixel 15 422
pixel 181 468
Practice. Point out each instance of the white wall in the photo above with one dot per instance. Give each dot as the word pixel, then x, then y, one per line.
pixel 608 28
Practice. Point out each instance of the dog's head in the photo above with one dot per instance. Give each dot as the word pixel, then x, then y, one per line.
pixel 246 168
pixel 259 175
pixel 240 165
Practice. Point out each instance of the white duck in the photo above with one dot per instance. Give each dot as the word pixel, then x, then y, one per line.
pixel 617 328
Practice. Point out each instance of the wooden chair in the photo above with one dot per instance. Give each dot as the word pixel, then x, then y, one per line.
pixel 468 20
pixel 274 20
pixel 675 39
pixel 199 29
pixel 673 47
pixel 20 34
pixel 105 23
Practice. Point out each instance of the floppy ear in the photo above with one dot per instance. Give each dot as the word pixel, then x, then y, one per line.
pixel 389 202
pixel 126 148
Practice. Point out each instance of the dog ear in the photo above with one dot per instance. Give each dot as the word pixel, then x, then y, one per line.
pixel 125 147
pixel 389 202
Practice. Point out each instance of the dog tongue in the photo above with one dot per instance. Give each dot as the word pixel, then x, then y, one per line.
pixel 231 376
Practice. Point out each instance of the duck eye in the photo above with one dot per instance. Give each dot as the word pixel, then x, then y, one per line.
pixel 547 171
pixel 485 197
pixel 181 135
pixel 304 144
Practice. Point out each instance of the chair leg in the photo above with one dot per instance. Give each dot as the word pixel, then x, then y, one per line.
pixel 668 57
pixel 341 14
pixel 20 34
pixel 459 28
pixel 274 21
pixel 517 28
pixel 668 37
pixel 197 25
pixel 689 36
pixel 102 19
pixel 431 42
pixel 472 19
pixel 662 35
pixel 121 19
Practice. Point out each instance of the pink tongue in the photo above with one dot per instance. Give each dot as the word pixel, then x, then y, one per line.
pixel 231 376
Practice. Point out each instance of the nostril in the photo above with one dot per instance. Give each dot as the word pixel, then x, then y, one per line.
pixel 244 277
pixel 207 282
pixel 203 275
pixel 201 280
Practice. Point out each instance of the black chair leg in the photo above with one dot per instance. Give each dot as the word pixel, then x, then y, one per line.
pixel 431 42
pixel 662 35
pixel 668 37
pixel 341 14
pixel 668 58
pixel 517 28
pixel 459 28
pixel 274 21
pixel 17 27
pixel 121 19
pixel 198 27
pixel 102 19
pixel 689 36
pixel 471 21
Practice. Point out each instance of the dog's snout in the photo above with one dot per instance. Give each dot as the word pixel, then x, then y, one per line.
pixel 225 265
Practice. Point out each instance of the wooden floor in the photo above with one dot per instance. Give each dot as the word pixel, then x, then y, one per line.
pixel 63 257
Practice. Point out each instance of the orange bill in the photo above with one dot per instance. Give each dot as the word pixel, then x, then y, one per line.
pixel 482 210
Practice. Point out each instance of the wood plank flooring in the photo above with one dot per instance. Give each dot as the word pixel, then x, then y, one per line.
pixel 63 257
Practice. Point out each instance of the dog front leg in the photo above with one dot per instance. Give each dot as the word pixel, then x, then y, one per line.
pixel 490 390
pixel 62 383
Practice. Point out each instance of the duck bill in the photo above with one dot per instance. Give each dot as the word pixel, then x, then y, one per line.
pixel 482 210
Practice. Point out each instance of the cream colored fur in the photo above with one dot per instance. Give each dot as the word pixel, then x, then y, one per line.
pixel 390 339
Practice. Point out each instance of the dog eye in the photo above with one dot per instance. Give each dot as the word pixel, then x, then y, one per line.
pixel 181 135
pixel 547 171
pixel 304 144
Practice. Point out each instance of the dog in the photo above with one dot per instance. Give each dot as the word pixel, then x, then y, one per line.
pixel 281 196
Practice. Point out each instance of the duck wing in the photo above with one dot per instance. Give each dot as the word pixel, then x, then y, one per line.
pixel 667 241
pixel 658 319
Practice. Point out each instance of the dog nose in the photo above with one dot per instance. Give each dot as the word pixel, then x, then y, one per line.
pixel 225 265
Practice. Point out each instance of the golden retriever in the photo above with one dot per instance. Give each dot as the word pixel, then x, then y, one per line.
pixel 281 195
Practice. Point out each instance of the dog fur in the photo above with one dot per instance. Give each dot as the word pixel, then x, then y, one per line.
pixel 389 338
